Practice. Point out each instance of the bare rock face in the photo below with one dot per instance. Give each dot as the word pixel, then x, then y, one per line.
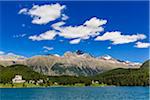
pixel 76 64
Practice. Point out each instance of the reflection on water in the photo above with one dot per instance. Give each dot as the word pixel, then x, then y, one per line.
pixel 76 93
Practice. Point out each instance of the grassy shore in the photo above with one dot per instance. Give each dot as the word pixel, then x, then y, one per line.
pixel 18 85
pixel 28 85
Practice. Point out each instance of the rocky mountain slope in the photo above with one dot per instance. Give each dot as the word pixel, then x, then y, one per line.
pixel 71 63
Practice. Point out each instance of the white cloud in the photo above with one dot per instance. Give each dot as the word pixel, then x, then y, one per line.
pixel 142 45
pixel 81 31
pixel 48 48
pixel 64 17
pixel 23 25
pixel 70 32
pixel 49 35
pixel 57 25
pixel 94 22
pixel 109 47
pixel 24 11
pixel 117 38
pixel 45 50
pixel 19 35
pixel 61 40
pixel 1 52
pixel 44 14
pixel 75 41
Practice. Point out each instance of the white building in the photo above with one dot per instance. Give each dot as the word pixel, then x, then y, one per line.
pixel 95 82
pixel 18 79
pixel 31 81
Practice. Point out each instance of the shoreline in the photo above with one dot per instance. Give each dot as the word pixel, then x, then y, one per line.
pixel 44 86
pixel 56 86
pixel 65 87
pixel 59 86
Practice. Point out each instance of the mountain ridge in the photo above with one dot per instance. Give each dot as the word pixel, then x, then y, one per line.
pixel 72 63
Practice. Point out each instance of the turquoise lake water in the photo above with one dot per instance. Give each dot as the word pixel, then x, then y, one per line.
pixel 75 93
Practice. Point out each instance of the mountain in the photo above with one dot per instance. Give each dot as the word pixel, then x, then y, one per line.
pixel 121 76
pixel 11 59
pixel 146 65
pixel 113 60
pixel 11 56
pixel 76 63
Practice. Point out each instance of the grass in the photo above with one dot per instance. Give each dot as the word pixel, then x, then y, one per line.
pixel 28 85
pixel 99 85
pixel 18 85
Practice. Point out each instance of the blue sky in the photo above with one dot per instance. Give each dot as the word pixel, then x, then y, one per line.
pixel 119 29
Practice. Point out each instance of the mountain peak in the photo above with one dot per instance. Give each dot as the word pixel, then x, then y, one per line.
pixel 106 57
pixel 79 52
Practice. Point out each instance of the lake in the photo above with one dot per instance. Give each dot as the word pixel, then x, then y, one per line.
pixel 75 93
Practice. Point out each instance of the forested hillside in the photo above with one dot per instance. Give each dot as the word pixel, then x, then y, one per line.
pixel 126 77
pixel 7 73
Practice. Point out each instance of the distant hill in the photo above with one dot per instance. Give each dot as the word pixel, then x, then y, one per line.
pixel 146 64
pixel 7 73
pixel 126 77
